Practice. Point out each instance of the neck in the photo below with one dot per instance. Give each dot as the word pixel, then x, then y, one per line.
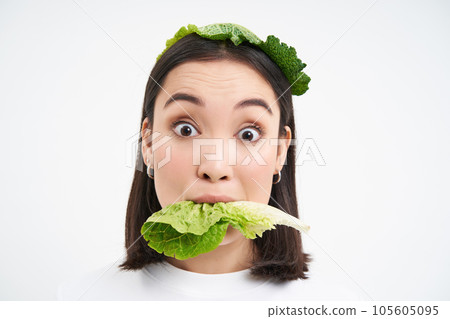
pixel 226 258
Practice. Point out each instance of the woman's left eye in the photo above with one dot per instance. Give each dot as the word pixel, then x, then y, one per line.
pixel 249 133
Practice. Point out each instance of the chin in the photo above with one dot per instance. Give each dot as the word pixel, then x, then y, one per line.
pixel 231 236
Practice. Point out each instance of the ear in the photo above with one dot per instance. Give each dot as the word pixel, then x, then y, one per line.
pixel 146 149
pixel 283 146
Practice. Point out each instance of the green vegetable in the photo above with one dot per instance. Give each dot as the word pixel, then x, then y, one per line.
pixel 285 57
pixel 186 229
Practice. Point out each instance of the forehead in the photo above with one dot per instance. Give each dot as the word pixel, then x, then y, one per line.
pixel 223 79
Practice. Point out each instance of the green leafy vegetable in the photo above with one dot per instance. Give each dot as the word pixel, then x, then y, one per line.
pixel 165 239
pixel 285 57
pixel 186 229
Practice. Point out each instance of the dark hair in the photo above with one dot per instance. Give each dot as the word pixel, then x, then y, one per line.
pixel 279 252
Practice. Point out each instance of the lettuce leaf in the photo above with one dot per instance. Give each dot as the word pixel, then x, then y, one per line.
pixel 186 229
pixel 165 239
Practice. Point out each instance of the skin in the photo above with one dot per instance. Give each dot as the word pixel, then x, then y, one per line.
pixel 220 85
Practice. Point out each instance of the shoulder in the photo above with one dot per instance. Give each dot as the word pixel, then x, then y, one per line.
pixel 316 288
pixel 102 283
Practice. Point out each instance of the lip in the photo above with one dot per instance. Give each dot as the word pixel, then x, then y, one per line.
pixel 208 198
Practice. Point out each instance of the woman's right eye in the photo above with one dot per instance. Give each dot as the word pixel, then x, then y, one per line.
pixel 183 129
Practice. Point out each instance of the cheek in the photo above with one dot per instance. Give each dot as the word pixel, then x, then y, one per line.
pixel 257 176
pixel 173 172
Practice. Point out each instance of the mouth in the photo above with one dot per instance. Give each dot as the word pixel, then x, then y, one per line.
pixel 208 198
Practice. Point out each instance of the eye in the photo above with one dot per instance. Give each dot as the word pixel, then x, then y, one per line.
pixel 183 128
pixel 250 134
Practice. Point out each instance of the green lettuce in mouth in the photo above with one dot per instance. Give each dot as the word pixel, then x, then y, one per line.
pixel 186 229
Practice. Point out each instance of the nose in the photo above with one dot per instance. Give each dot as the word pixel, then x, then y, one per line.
pixel 214 164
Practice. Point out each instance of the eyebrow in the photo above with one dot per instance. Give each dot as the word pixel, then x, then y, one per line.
pixel 199 102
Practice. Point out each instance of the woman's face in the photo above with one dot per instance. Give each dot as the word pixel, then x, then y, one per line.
pixel 207 143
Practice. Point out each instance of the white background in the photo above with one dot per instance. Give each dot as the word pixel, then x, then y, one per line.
pixel 72 80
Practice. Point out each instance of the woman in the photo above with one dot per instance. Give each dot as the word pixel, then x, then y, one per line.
pixel 207 96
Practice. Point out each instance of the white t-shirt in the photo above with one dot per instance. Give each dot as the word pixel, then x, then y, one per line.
pixel 164 281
